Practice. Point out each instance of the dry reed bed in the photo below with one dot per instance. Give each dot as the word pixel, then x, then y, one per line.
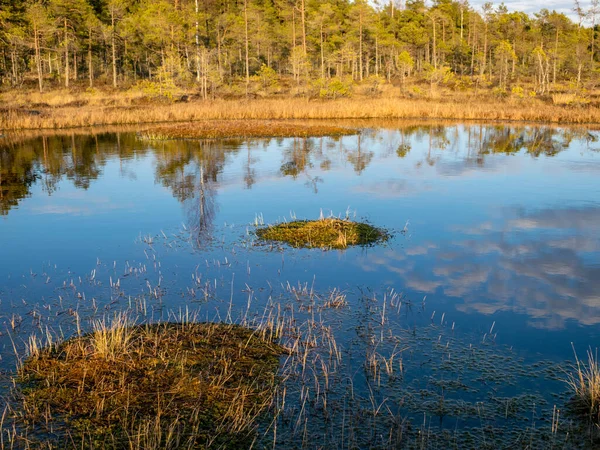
pixel 14 118
pixel 214 129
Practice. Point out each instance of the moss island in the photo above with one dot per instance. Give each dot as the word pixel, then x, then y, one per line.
pixel 323 233
pixel 191 385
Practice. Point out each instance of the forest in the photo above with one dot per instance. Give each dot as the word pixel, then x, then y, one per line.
pixel 222 48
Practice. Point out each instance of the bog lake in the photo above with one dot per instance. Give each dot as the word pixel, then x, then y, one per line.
pixel 458 331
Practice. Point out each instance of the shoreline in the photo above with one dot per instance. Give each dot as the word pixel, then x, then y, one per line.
pixel 13 136
pixel 100 112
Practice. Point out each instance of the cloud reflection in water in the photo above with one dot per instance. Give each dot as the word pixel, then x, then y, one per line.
pixel 539 264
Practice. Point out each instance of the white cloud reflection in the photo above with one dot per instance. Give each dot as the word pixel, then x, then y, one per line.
pixel 548 270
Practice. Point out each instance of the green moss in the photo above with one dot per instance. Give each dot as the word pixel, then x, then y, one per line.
pixel 169 386
pixel 323 233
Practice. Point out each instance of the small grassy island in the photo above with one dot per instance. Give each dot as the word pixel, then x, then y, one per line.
pixel 225 129
pixel 168 385
pixel 323 233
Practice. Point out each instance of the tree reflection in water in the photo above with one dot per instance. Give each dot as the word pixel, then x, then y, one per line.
pixel 190 169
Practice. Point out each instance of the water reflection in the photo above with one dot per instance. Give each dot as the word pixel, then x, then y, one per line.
pixel 80 158
pixel 48 160
pixel 486 243
pixel 17 174
pixel 540 263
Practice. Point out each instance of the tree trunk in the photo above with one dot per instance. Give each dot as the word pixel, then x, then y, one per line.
pixel 13 62
pixel 322 54
pixel 197 45
pixel 593 40
pixel 514 60
pixel 246 45
pixel 376 55
pixel 433 55
pixel 304 27
pixel 66 56
pixel 484 49
pixel 114 51
pixel 38 58
pixel 90 61
pixel 555 59
pixel 462 13
pixel 473 53
pixel 294 27
pixel 219 56
pixel 360 45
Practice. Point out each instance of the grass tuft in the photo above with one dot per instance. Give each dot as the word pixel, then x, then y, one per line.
pixel 167 385
pixel 323 233
pixel 585 388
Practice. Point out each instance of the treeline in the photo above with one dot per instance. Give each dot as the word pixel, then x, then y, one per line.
pixel 211 44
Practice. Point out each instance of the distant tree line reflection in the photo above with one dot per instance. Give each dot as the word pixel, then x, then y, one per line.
pixel 192 170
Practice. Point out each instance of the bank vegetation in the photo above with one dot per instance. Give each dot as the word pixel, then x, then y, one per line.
pixel 87 62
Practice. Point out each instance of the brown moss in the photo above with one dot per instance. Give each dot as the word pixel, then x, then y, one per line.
pixel 323 233
pixel 213 129
pixel 195 384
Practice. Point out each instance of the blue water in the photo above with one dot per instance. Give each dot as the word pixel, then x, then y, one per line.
pixel 487 235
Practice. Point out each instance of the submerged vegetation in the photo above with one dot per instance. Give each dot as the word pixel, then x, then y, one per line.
pixel 166 385
pixel 208 385
pixel 323 233
pixel 214 129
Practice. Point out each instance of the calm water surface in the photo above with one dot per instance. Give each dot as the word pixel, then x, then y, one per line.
pixel 495 230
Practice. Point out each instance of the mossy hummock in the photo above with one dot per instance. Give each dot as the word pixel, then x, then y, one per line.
pixel 323 233
pixel 196 383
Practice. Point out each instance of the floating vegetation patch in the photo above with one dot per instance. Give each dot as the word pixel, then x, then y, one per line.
pixel 323 233
pixel 167 385
pixel 222 129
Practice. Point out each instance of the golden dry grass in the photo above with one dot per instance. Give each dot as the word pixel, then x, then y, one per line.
pixel 585 388
pixel 211 129
pixel 184 385
pixel 79 110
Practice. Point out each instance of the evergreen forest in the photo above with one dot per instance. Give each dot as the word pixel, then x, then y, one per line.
pixel 228 46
